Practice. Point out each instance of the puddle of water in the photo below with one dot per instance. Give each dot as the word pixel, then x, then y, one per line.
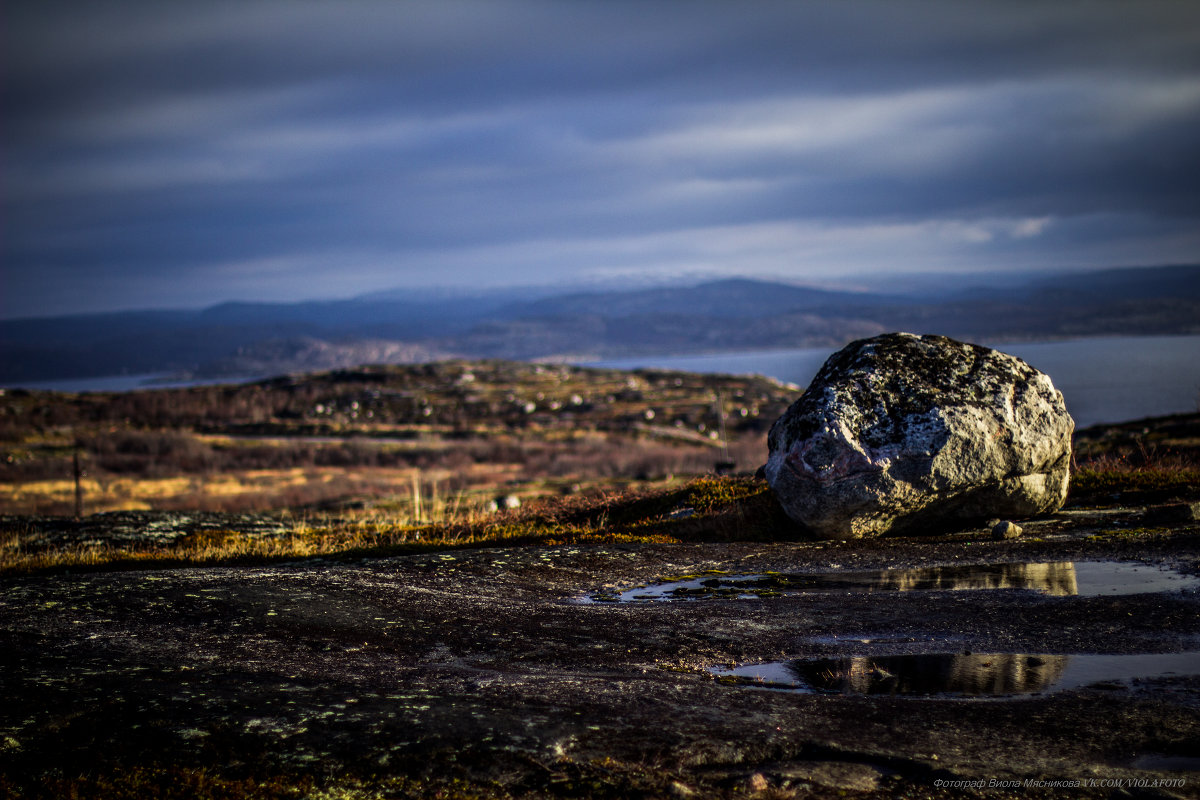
pixel 1061 578
pixel 1122 577
pixel 1160 763
pixel 959 674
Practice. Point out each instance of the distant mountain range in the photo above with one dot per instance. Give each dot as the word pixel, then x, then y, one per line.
pixel 259 339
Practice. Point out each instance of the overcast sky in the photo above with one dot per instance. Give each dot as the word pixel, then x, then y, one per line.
pixel 161 154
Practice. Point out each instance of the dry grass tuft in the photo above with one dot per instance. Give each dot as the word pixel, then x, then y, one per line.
pixel 1136 473
pixel 713 508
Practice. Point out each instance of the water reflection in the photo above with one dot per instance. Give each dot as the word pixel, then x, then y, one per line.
pixel 959 674
pixel 992 674
pixel 1056 578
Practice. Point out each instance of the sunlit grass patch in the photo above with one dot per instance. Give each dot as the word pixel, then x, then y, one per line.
pixel 720 508
pixel 234 491
pixel 199 549
pixel 417 516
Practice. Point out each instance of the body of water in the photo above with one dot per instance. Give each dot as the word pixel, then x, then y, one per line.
pixel 122 383
pixel 1109 379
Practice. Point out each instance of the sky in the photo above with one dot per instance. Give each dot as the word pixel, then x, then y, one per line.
pixel 161 154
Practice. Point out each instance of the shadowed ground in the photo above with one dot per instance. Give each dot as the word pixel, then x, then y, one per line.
pixel 480 673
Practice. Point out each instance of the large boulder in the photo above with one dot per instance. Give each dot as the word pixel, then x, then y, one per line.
pixel 919 434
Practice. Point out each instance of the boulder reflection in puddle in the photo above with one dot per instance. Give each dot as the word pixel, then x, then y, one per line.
pixel 962 674
pixel 1056 578
pixel 1053 578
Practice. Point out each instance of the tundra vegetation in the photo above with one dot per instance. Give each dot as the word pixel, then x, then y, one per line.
pixel 458 431
pixel 394 459
pixel 416 456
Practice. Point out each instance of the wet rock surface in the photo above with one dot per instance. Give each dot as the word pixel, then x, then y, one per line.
pixel 900 432
pixel 484 667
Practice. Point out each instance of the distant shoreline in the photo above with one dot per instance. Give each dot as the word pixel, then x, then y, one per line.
pixel 1105 379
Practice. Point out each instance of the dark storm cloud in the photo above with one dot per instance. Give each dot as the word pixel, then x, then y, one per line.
pixel 177 154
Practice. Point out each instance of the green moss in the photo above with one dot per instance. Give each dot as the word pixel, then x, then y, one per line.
pixel 714 493
pixel 1128 534
pixel 164 783
pixel 180 783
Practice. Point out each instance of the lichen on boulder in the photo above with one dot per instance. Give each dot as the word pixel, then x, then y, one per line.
pixel 903 433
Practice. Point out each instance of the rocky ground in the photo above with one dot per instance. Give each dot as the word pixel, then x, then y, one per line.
pixel 513 673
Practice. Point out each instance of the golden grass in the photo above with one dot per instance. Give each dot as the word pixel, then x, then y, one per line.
pixel 13 493
pixel 261 488
pixel 304 540
pixel 301 540
pixel 425 521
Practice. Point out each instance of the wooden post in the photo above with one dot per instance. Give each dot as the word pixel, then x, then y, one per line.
pixel 726 465
pixel 78 469
pixel 416 491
